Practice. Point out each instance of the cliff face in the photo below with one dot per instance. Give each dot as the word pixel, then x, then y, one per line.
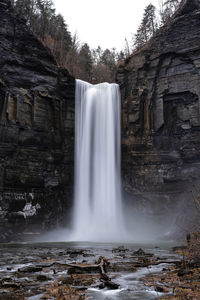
pixel 160 88
pixel 36 131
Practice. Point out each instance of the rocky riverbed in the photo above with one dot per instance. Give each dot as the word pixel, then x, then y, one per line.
pixel 69 271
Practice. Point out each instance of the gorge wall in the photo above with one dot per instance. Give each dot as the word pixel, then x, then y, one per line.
pixel 36 132
pixel 160 86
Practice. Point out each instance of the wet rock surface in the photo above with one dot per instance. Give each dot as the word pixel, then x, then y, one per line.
pixel 161 115
pixel 40 271
pixel 178 281
pixel 36 133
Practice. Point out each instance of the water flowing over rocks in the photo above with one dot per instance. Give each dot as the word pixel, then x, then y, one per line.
pixel 36 131
pixel 161 112
pixel 47 271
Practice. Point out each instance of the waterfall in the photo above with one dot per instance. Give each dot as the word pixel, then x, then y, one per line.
pixel 97 214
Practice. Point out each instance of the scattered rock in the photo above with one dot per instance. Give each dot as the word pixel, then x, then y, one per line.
pixel 161 289
pixel 165 269
pixel 10 284
pixel 42 278
pixel 183 272
pixel 111 285
pixel 120 249
pixel 102 286
pixel 30 269
pixel 139 252
pixel 11 296
pixel 77 270
pixel 108 284
pixel 179 248
pixel 67 280
pixel 75 252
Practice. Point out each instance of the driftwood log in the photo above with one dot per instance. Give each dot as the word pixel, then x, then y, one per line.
pixel 100 267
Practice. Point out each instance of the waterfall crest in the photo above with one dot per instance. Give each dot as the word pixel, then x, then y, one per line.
pixel 97 214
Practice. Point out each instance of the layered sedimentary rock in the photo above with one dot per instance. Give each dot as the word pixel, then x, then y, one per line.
pixel 36 131
pixel 160 86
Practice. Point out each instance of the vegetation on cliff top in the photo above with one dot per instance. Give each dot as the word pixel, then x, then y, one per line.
pixel 153 20
pixel 93 65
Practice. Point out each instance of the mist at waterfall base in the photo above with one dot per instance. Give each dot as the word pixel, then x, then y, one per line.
pixel 99 213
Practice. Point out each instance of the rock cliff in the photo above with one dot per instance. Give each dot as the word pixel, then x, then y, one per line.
pixel 160 86
pixel 36 131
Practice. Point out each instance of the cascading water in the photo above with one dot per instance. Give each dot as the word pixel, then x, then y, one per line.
pixel 97 212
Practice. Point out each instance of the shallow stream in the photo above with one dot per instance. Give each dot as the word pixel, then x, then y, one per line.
pixel 27 269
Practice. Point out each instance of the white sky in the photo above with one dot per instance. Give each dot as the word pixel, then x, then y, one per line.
pixel 103 22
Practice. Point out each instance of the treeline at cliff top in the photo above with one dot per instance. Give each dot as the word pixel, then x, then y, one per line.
pixel 93 65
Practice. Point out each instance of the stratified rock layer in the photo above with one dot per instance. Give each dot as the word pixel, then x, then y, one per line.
pixel 36 131
pixel 160 88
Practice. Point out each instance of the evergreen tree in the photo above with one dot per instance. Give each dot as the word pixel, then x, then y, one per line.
pixel 147 27
pixel 62 39
pixel 86 61
pixel 126 52
pixel 46 13
pixel 50 28
pixel 122 55
pixel 91 65
pixel 26 9
pixel 108 58
pixel 97 53
pixel 104 64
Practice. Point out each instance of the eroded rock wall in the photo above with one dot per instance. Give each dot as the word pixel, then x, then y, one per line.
pixel 36 131
pixel 160 88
